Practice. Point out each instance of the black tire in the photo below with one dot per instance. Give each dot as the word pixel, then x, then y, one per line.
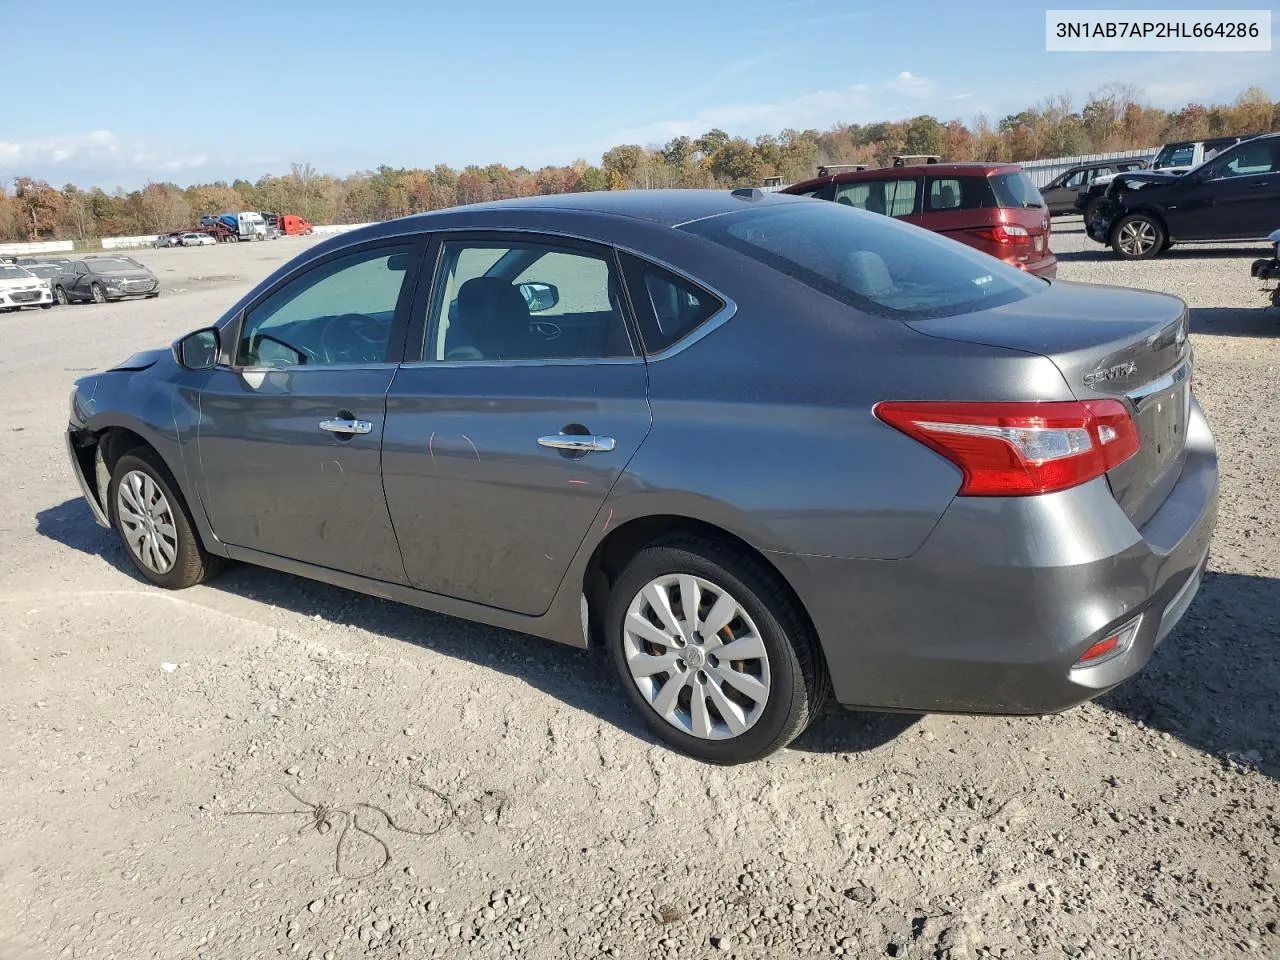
pixel 799 685
pixel 99 296
pixel 46 306
pixel 61 296
pixel 192 564
pixel 1137 236
pixel 152 296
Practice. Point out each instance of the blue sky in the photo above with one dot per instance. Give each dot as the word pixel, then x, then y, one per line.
pixel 347 86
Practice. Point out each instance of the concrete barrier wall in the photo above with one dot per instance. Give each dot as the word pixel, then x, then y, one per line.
pixel 47 246
pixel 121 243
pixel 324 229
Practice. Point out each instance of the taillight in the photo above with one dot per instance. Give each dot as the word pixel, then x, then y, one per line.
pixel 1017 449
pixel 1004 233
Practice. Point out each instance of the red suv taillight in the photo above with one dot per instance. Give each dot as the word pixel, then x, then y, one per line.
pixel 1017 449
pixel 1004 233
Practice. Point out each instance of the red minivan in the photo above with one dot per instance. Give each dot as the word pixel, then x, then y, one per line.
pixel 991 206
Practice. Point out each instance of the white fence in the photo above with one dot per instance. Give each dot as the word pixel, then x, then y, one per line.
pixel 1042 171
pixel 324 229
pixel 121 243
pixel 47 246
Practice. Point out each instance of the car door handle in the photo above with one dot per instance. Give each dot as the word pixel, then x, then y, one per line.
pixel 346 426
pixel 578 443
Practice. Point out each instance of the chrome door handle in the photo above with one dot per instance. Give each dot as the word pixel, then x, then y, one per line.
pixel 580 443
pixel 346 426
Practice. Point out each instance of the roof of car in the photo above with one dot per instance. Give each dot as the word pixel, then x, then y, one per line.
pixel 667 207
pixel 981 168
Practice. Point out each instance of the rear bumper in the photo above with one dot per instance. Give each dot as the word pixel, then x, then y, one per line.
pixel 994 611
pixel 1046 267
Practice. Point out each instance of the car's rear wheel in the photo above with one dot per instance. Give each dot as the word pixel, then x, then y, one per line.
pixel 1138 236
pixel 153 521
pixel 60 295
pixel 98 295
pixel 1094 210
pixel 713 651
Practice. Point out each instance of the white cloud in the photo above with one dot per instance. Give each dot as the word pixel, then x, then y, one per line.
pixel 98 150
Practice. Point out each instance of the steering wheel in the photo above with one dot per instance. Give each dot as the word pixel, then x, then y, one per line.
pixel 353 338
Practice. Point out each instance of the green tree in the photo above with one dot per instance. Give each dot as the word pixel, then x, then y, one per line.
pixel 924 135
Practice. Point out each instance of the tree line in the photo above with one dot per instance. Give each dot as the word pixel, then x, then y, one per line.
pixel 1113 118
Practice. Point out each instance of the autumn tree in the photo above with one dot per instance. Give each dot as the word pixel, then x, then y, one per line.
pixel 39 206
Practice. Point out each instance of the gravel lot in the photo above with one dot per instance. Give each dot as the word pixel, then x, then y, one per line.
pixel 1141 826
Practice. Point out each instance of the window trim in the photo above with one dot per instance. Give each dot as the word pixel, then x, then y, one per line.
pixel 229 332
pixel 419 326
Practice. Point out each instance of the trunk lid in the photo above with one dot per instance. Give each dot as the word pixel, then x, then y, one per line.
pixel 1107 342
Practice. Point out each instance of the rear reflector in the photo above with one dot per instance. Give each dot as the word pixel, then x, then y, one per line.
pixel 1019 449
pixel 1110 646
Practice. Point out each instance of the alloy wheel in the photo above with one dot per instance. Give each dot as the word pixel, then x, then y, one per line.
pixel 1137 237
pixel 696 657
pixel 147 522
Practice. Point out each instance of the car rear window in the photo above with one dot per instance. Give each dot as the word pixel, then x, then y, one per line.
pixel 1015 190
pixel 960 193
pixel 873 263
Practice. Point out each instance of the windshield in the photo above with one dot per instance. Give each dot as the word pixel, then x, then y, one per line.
pixel 8 272
pixel 874 263
pixel 1174 155
pixel 105 265
pixel 43 269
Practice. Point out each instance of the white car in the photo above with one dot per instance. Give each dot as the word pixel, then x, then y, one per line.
pixel 20 288
pixel 196 240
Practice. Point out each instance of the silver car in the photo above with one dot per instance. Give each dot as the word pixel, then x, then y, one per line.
pixel 764 450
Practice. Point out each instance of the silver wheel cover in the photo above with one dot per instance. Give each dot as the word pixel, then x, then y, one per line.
pixel 146 521
pixel 695 655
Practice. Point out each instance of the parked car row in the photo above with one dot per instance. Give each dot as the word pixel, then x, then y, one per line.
pixel 95 278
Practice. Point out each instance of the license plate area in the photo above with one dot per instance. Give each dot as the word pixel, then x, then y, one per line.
pixel 1039 244
pixel 1162 422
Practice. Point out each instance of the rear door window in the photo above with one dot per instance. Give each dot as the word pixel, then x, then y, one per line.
pixel 894 198
pixel 960 193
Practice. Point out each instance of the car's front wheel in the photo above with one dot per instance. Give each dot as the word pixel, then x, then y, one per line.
pixel 152 519
pixel 61 296
pixel 99 296
pixel 713 651
pixel 1138 236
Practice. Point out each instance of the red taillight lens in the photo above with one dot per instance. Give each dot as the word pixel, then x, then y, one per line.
pixel 1018 449
pixel 1004 233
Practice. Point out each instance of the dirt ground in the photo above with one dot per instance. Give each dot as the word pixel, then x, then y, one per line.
pixel 546 823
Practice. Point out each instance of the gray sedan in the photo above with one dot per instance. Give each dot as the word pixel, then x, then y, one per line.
pixel 764 450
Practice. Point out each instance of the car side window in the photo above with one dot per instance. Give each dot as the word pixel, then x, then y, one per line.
pixel 1075 181
pixel 668 307
pixel 1250 160
pixel 894 198
pixel 497 301
pixel 944 194
pixel 338 312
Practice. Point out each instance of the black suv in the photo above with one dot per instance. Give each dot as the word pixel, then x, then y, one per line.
pixel 1062 192
pixel 1234 196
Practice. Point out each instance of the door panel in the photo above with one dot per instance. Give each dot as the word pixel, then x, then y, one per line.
pixel 482 511
pixel 277 482
pixel 290 432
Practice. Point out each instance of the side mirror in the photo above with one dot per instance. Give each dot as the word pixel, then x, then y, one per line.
pixel 539 296
pixel 199 350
